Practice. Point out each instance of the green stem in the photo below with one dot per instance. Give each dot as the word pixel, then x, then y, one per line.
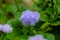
pixel 17 5
pixel 2 37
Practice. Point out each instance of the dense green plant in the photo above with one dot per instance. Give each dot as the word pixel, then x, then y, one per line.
pixel 49 17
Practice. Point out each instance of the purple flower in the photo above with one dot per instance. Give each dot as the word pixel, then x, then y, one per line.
pixel 37 37
pixel 6 28
pixel 29 17
pixel 1 27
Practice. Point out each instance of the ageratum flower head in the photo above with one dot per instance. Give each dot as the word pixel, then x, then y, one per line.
pixel 37 37
pixel 6 28
pixel 29 17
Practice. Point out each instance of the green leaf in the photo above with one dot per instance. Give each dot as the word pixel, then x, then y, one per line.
pixel 44 17
pixel 11 8
pixel 45 25
pixel 56 23
pixel 12 36
pixel 49 11
pixel 58 7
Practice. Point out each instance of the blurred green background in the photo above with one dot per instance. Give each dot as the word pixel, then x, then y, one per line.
pixel 48 26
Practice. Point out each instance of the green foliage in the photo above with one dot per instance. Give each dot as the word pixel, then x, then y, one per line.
pixel 47 35
pixel 49 17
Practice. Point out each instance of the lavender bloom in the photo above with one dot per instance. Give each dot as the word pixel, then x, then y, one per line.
pixel 1 27
pixel 37 37
pixel 29 17
pixel 6 28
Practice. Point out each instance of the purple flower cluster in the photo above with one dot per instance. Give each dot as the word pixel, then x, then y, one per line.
pixel 5 28
pixel 29 17
pixel 37 37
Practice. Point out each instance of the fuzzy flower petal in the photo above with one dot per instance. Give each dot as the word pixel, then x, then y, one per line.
pixel 29 17
pixel 7 28
pixel 37 37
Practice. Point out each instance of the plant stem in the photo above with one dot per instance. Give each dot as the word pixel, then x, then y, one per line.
pixel 2 37
pixel 17 5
